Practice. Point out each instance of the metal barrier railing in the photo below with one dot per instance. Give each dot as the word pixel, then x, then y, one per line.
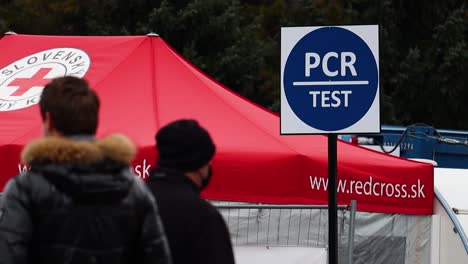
pixel 288 225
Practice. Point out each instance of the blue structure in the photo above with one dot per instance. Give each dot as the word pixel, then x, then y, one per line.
pixel 449 148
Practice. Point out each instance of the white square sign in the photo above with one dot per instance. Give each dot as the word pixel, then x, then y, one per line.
pixel 330 80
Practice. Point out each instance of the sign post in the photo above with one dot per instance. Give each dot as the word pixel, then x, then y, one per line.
pixel 330 85
pixel 332 201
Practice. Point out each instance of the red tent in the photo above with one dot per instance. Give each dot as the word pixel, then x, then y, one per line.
pixel 144 84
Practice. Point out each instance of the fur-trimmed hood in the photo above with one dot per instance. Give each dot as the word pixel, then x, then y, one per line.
pixel 64 150
pixel 85 170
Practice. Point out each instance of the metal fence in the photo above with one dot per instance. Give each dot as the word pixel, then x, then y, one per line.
pixel 288 225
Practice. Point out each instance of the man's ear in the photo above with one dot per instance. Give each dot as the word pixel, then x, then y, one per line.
pixel 204 170
pixel 49 129
pixel 48 122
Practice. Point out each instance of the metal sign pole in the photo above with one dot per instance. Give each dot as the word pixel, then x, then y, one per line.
pixel 332 201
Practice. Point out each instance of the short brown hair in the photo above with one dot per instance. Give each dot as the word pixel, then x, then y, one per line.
pixel 72 105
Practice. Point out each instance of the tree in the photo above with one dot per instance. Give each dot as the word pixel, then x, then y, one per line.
pixel 38 16
pixel 220 37
pixel 429 84
pixel 423 57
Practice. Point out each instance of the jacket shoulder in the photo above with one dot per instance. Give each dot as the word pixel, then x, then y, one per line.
pixel 21 183
pixel 32 183
pixel 141 192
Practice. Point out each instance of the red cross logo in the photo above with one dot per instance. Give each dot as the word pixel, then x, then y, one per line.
pixel 24 84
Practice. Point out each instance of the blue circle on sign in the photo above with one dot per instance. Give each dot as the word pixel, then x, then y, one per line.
pixel 330 78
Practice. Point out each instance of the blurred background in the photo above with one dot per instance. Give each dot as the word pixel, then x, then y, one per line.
pixel 423 43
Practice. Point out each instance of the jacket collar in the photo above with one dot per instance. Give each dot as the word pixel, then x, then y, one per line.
pixel 172 176
pixel 72 150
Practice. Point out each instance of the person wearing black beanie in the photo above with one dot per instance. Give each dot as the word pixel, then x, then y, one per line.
pixel 195 229
pixel 184 145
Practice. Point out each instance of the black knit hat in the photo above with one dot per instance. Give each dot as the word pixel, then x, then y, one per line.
pixel 184 145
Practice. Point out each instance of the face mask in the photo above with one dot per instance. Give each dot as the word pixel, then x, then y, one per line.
pixel 206 180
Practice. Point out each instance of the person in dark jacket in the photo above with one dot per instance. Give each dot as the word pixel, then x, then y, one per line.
pixel 195 229
pixel 79 202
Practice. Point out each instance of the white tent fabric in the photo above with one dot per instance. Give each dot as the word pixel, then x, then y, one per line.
pixel 453 185
pixel 450 229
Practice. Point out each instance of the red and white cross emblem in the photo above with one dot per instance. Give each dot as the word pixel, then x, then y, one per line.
pixel 24 84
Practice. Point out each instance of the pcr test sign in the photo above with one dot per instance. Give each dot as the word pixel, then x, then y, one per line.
pixel 330 80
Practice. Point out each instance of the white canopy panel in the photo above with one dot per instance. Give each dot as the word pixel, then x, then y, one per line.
pixel 453 185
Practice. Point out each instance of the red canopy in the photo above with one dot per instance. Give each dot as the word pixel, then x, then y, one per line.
pixel 144 84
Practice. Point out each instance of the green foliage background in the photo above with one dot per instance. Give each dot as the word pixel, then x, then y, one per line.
pixel 423 43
